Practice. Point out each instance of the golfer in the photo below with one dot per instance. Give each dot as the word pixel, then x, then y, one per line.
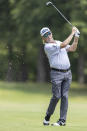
pixel 61 76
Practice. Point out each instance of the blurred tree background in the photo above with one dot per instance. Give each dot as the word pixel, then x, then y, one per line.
pixel 22 56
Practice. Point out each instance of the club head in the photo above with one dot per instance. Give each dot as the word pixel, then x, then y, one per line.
pixel 49 3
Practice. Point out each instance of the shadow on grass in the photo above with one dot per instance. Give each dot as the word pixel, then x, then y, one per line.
pixel 42 88
pixel 78 92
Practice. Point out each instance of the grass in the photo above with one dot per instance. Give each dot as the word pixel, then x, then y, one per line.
pixel 23 107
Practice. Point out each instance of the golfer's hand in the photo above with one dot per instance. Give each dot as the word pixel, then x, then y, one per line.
pixel 74 30
pixel 77 32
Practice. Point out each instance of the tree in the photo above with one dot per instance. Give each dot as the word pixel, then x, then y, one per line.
pixel 79 18
pixel 7 33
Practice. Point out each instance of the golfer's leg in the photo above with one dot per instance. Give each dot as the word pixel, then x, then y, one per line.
pixel 52 105
pixel 56 90
pixel 64 97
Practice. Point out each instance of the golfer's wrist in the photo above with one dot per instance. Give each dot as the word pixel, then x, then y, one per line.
pixel 76 39
pixel 72 33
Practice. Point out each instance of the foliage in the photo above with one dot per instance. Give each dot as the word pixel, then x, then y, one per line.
pixel 20 24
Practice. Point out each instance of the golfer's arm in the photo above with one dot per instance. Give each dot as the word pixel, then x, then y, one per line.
pixel 73 47
pixel 67 41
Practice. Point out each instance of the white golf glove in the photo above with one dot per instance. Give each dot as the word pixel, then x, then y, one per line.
pixel 77 34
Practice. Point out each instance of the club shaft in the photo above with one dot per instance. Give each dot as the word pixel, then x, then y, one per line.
pixel 62 14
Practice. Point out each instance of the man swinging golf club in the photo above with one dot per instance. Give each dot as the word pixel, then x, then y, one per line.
pixel 61 76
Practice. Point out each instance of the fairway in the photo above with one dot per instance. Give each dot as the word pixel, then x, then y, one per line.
pixel 23 107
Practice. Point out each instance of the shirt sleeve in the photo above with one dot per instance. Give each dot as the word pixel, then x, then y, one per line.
pixel 52 48
pixel 67 47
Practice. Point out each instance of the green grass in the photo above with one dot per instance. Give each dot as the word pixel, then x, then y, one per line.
pixel 23 107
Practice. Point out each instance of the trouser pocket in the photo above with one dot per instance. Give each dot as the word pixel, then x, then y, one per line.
pixel 56 89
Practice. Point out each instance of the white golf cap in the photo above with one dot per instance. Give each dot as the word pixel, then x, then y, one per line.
pixel 44 30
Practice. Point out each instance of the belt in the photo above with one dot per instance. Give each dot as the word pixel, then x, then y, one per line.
pixel 60 70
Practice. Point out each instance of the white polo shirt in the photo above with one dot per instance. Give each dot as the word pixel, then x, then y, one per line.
pixel 58 57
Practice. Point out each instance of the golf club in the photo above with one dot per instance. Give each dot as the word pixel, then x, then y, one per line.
pixel 50 3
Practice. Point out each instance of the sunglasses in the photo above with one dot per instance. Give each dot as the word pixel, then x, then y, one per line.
pixel 47 34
